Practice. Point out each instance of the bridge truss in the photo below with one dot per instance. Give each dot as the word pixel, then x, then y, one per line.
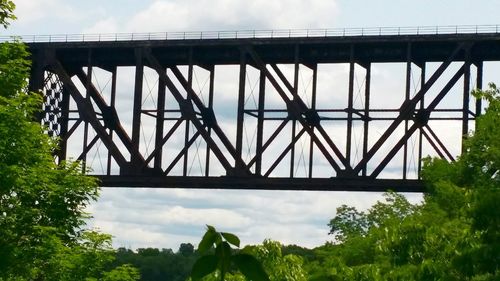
pixel 261 113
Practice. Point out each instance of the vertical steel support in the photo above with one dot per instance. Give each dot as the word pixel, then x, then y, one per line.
pixel 260 123
pixel 479 85
pixel 313 108
pixel 136 117
pixel 466 98
pixel 211 108
pixel 37 77
pixel 112 107
pixel 187 127
pixel 88 85
pixel 350 107
pixel 160 121
pixel 64 107
pixel 241 110
pixel 294 122
pixel 366 121
pixel 37 72
pixel 421 129
pixel 407 97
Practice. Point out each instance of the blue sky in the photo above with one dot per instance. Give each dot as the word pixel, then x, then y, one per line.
pixel 166 218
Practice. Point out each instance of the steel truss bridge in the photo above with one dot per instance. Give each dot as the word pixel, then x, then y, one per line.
pixel 240 111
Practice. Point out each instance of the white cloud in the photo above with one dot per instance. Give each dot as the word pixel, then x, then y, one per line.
pixel 103 26
pixel 29 11
pixel 223 15
pixel 168 217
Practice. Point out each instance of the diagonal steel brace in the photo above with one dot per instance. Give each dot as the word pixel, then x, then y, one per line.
pixel 88 114
pixel 188 111
pixel 294 109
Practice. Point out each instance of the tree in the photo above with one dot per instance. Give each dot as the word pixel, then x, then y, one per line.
pixel 453 235
pixel 186 249
pixel 281 267
pixel 122 273
pixel 6 12
pixel 41 204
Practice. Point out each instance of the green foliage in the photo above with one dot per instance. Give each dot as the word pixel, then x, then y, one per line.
pixel 453 235
pixel 6 12
pixel 159 264
pixel 186 249
pixel 347 223
pixel 122 273
pixel 222 259
pixel 41 203
pixel 350 223
pixel 280 267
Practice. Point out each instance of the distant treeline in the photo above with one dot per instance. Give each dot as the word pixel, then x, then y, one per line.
pixel 166 265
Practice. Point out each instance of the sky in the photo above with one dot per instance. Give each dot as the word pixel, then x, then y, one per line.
pixel 164 218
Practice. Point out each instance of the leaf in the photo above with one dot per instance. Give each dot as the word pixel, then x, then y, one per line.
pixel 204 266
pixel 223 254
pixel 250 267
pixel 208 240
pixel 231 238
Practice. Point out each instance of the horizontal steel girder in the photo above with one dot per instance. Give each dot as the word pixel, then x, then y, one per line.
pixel 315 184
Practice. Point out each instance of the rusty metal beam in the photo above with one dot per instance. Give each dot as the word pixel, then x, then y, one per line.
pixel 160 122
pixel 260 183
pixel 260 124
pixel 88 114
pixel 240 111
pixel 350 109
pixel 313 108
pixel 479 85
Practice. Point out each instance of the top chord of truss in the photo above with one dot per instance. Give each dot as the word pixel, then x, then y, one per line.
pixel 264 33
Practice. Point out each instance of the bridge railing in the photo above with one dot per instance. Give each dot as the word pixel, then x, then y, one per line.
pixel 249 34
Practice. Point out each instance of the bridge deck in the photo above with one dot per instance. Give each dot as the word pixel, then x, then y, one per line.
pixel 369 49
